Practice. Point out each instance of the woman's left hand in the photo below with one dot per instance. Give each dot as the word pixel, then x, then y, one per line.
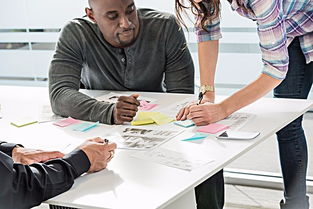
pixel 206 113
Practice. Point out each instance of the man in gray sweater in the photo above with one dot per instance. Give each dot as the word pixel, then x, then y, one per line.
pixel 117 47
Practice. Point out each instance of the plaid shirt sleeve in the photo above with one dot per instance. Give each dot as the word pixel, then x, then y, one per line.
pixel 272 35
pixel 213 31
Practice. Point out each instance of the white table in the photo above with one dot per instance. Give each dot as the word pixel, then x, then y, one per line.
pixel 130 182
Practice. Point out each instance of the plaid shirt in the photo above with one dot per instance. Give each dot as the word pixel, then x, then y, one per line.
pixel 278 22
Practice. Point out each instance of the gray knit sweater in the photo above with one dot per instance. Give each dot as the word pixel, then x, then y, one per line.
pixel 158 61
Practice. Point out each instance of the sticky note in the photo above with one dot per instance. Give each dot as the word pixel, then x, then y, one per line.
pixel 144 105
pixel 161 119
pixel 213 128
pixel 85 126
pixel 141 122
pixel 66 122
pixel 197 136
pixel 184 123
pixel 21 123
pixel 143 118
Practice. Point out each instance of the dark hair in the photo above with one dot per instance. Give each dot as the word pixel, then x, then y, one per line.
pixel 208 11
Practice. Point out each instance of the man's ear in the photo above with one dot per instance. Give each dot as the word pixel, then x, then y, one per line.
pixel 89 14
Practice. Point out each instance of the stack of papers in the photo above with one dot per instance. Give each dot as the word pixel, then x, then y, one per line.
pixel 144 118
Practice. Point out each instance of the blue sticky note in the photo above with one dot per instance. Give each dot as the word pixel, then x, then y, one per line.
pixel 197 136
pixel 85 126
pixel 184 123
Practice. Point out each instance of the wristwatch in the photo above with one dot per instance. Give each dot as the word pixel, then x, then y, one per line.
pixel 206 88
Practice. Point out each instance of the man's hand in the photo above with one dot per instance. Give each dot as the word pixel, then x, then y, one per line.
pixel 29 156
pixel 125 109
pixel 98 152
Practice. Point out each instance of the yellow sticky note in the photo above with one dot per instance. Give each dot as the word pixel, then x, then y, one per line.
pixel 143 118
pixel 141 122
pixel 161 119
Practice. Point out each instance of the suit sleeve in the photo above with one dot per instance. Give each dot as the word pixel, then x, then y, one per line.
pixel 24 186
pixel 8 147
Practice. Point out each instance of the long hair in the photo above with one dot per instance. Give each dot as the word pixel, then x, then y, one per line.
pixel 207 10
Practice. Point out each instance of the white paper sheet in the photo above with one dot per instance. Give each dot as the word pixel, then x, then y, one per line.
pixel 172 159
pixel 112 97
pixel 140 138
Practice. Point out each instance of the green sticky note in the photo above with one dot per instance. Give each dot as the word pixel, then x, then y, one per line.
pixel 22 123
pixel 85 126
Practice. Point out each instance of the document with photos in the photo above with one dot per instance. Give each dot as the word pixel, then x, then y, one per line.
pixel 113 97
pixel 140 138
pixel 172 159
pixel 236 120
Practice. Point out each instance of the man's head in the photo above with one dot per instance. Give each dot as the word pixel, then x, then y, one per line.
pixel 117 20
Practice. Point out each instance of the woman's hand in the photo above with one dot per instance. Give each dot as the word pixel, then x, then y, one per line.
pixel 206 113
pixel 182 114
pixel 209 96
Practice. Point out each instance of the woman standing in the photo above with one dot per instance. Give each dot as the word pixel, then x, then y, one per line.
pixel 285 30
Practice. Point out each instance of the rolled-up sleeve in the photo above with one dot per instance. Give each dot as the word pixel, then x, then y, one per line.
pixel 273 38
pixel 212 32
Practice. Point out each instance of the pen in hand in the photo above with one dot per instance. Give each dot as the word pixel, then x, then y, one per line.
pixel 200 97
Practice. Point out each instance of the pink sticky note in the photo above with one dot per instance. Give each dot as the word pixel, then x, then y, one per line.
pixel 66 122
pixel 144 105
pixel 213 128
